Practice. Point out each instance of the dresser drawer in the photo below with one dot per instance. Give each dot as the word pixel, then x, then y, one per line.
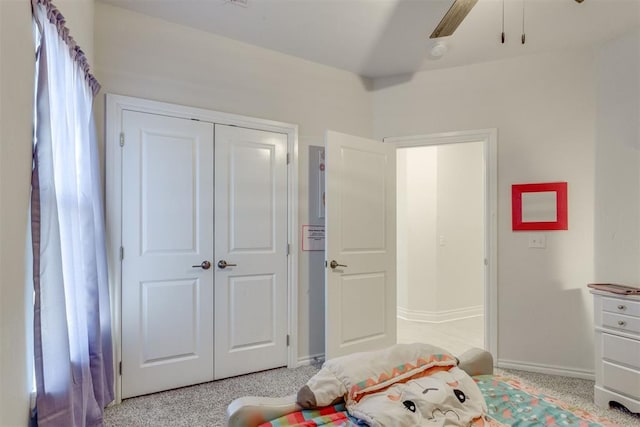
pixel 621 350
pixel 630 308
pixel 620 379
pixel 621 322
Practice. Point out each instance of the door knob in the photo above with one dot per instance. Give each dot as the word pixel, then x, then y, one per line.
pixel 205 265
pixel 334 264
pixel 224 264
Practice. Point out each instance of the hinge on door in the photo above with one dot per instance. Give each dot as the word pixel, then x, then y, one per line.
pixel 486 261
pixel 288 158
pixel 288 249
pixel 287 340
pixel 120 368
pixel 121 253
pixel 121 139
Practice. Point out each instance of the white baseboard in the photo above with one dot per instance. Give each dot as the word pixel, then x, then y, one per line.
pixel 563 371
pixel 440 316
pixel 310 360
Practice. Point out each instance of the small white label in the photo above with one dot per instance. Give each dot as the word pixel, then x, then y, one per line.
pixel 313 237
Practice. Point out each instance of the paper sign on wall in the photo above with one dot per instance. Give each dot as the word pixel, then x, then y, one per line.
pixel 313 237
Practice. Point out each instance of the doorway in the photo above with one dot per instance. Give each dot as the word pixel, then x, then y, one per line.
pixel 440 246
pixel 480 312
pixel 447 239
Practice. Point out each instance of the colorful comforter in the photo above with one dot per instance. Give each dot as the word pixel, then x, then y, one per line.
pixel 509 403
pixel 335 415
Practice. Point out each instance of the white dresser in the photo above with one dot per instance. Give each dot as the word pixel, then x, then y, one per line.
pixel 617 341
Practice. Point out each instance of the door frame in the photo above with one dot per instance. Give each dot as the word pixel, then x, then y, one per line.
pixel 115 106
pixel 489 140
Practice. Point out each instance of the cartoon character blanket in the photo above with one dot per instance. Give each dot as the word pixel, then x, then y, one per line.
pixel 404 385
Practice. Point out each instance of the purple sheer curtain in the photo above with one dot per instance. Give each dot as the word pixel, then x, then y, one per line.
pixel 72 322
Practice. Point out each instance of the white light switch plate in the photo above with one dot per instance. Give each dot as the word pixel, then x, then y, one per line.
pixel 537 240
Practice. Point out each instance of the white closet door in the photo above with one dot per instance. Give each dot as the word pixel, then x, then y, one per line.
pixel 167 235
pixel 251 237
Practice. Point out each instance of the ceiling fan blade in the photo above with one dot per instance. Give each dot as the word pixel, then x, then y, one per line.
pixel 454 16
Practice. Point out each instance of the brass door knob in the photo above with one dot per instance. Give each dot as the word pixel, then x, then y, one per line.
pixel 334 264
pixel 205 265
pixel 222 264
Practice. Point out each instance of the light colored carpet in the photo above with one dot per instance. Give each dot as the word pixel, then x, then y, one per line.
pixel 204 405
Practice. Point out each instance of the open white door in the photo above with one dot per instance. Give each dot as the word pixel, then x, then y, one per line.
pixel 360 283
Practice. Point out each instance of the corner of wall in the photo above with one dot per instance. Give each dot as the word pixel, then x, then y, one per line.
pixel 16 53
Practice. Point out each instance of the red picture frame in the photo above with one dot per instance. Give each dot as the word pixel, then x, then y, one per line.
pixel 561 222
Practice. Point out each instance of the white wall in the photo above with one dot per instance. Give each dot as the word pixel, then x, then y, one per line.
pixel 617 219
pixel 417 208
pixel 16 92
pixel 402 231
pixel 79 16
pixel 440 230
pixel 544 109
pixel 150 58
pixel 460 236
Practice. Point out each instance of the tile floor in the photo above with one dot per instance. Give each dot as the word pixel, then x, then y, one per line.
pixel 455 336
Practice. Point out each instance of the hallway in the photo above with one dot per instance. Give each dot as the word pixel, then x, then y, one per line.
pixel 455 336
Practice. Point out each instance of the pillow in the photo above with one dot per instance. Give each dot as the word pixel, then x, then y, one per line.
pixel 353 376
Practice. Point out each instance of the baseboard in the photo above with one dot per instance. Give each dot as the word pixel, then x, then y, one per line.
pixel 562 371
pixel 440 316
pixel 310 360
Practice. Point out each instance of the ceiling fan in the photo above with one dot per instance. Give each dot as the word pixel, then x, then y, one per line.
pixel 454 16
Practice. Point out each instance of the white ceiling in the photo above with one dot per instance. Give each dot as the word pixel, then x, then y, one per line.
pixel 376 38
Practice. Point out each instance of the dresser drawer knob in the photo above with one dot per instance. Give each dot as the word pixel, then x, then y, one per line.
pixel 621 322
pixel 622 307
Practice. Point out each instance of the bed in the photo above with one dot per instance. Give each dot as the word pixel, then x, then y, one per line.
pixel 508 402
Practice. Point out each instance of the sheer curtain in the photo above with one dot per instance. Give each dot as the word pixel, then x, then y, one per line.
pixel 72 325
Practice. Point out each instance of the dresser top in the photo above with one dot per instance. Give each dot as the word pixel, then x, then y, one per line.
pixel 632 297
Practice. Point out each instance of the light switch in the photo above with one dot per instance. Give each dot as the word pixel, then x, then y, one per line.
pixel 537 240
